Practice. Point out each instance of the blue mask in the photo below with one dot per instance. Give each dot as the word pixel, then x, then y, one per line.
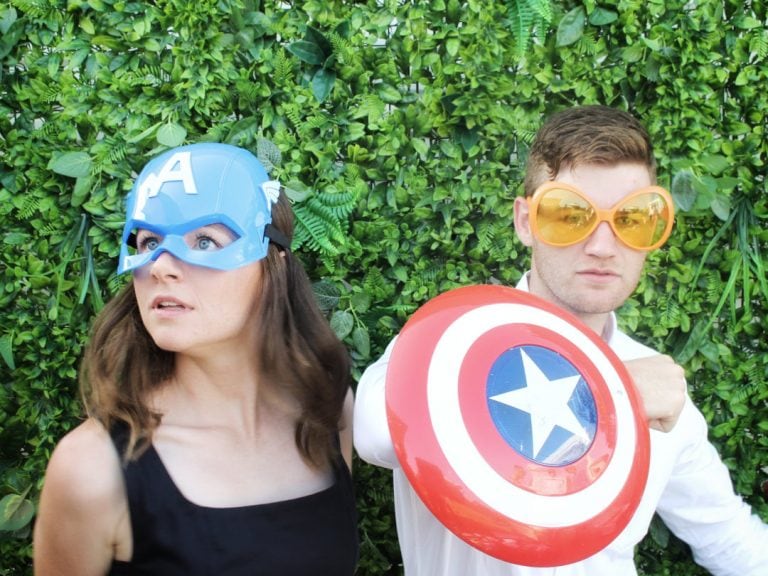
pixel 200 185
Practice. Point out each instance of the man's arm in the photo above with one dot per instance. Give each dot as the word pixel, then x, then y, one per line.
pixel 371 429
pixel 700 506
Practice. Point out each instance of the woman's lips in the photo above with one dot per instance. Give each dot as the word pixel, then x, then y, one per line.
pixel 168 304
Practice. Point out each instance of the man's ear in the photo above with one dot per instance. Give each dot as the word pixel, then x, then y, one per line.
pixel 522 221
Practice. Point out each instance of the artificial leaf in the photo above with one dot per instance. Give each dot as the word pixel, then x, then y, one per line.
pixel 602 16
pixel 327 295
pixel 342 323
pixel 683 191
pixel 171 135
pixel 72 164
pixel 308 52
pixel 362 341
pixel 322 83
pixel 571 27
pixel 83 186
pixel 6 350
pixel 15 512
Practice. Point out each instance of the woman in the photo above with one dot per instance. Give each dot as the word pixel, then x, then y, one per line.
pixel 219 431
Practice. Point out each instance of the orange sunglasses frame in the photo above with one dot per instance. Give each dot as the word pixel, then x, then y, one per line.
pixel 602 215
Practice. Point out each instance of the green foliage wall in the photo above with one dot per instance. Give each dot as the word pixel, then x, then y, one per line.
pixel 400 129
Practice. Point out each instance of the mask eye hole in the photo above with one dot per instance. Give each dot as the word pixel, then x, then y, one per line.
pixel 144 240
pixel 210 238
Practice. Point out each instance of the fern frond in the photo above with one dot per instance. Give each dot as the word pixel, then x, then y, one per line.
pixel 49 91
pixel 36 8
pixel 439 79
pixel 521 22
pixel 543 8
pixel 670 312
pixel 755 372
pixel 352 175
pixel 759 44
pixel 149 75
pixel 745 392
pixel 714 288
pixel 587 45
pixel 525 133
pixel 500 248
pixel 283 68
pixel 316 228
pixel 293 114
pixel 309 235
pixel 247 90
pixel 49 229
pixel 374 283
pixel 108 152
pixel 48 129
pixel 340 204
pixel 86 91
pixel 339 44
pixel 116 282
pixel 485 234
pixel 29 206
pixel 523 18
pixel 118 149
pixel 318 120
pixel 429 275
pixel 329 262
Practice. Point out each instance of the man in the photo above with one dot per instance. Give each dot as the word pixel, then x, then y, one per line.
pixel 588 158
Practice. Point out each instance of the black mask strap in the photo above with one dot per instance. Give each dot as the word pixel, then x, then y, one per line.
pixel 277 237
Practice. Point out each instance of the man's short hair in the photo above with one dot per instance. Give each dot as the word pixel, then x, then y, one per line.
pixel 598 135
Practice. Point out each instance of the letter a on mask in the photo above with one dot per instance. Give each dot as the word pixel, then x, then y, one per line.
pixel 177 169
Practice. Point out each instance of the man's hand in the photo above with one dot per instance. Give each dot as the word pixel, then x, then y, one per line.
pixel 661 384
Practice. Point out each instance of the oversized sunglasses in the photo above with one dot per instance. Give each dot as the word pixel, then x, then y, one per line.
pixel 562 215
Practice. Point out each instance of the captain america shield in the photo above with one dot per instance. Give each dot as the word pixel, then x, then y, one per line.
pixel 516 425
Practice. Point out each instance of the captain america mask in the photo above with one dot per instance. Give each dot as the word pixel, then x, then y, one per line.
pixel 199 185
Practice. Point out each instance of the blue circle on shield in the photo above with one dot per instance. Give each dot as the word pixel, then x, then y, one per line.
pixel 541 405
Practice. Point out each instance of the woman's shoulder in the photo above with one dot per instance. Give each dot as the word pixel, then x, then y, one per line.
pixel 82 518
pixel 85 464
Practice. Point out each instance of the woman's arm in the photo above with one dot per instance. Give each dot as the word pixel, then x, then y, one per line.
pixel 345 435
pixel 82 521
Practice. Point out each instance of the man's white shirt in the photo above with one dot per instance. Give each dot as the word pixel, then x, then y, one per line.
pixel 688 485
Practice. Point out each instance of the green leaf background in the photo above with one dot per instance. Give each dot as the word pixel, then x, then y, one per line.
pixel 400 130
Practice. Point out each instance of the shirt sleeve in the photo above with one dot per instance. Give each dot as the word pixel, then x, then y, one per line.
pixel 700 506
pixel 372 439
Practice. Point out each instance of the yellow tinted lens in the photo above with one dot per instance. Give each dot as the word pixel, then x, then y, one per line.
pixel 563 217
pixel 641 221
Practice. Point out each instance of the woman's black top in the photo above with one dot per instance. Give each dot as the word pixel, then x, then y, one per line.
pixel 310 535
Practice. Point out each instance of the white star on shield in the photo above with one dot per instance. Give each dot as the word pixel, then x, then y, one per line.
pixel 546 401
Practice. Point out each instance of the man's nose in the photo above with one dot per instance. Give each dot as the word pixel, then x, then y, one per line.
pixel 603 241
